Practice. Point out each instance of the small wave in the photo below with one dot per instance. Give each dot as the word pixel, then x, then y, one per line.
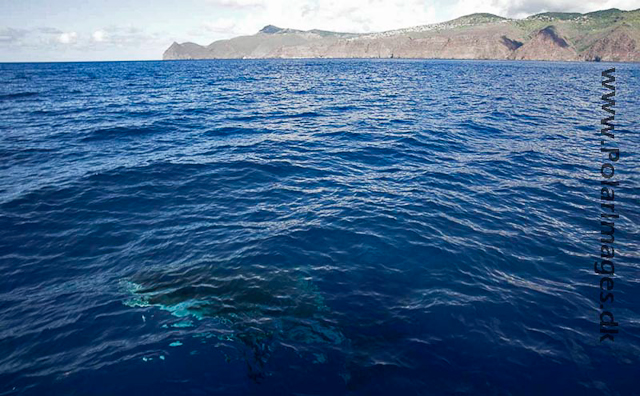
pixel 18 95
pixel 231 131
pixel 120 132
pixel 305 114
pixel 342 108
pixel 247 118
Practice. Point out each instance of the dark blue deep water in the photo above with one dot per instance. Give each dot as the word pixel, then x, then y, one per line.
pixel 313 227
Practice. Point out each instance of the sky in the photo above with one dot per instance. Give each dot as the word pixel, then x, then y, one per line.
pixel 95 30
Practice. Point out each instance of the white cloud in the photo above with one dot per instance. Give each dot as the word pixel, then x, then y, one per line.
pixel 123 36
pixel 68 38
pixel 221 25
pixel 12 36
pixel 99 36
pixel 98 39
pixel 238 3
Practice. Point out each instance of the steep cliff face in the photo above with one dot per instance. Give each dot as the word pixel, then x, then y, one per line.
pixel 547 44
pixel 610 35
pixel 185 51
pixel 619 45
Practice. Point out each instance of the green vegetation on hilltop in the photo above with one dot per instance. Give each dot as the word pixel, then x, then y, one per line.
pixel 557 15
pixel 478 18
pixel 610 13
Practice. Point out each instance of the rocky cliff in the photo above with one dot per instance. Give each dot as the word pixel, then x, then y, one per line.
pixel 609 35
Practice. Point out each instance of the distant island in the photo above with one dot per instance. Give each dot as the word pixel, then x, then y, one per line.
pixel 609 35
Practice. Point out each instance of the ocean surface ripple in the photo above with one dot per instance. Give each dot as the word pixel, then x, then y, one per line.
pixel 312 227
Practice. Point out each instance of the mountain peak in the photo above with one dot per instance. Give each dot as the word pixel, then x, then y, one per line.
pixel 270 29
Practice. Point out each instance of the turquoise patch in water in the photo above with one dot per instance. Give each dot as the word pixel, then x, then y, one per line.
pixel 184 324
pixel 320 358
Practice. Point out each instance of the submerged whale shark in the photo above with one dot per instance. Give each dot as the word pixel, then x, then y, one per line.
pixel 257 308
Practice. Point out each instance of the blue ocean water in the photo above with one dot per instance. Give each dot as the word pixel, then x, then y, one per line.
pixel 313 227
